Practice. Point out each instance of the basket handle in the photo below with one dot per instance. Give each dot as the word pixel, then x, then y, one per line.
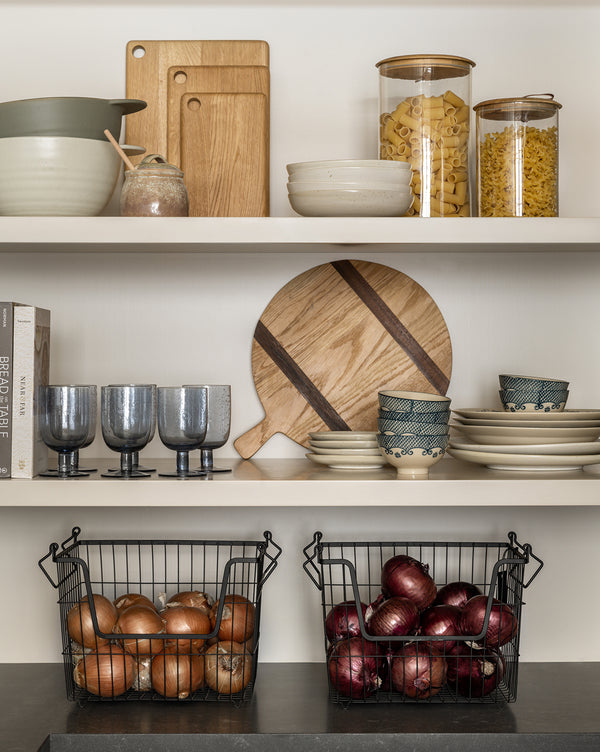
pixel 52 549
pixel 272 558
pixel 310 560
pixel 528 554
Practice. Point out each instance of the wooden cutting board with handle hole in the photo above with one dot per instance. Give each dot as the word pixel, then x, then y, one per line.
pixel 334 336
pixel 217 79
pixel 147 66
pixel 225 154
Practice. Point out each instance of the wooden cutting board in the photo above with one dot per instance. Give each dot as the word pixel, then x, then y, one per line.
pixel 225 154
pixel 332 338
pixel 147 66
pixel 182 79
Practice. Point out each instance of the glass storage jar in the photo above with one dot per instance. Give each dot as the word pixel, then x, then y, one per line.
pixel 154 188
pixel 517 156
pixel 425 105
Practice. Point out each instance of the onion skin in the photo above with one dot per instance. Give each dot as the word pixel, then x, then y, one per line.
pixel 352 667
pixel 141 620
pixel 473 671
pixel 456 594
pixel 186 620
pixel 394 617
pixel 176 675
pixel 418 670
pixel 108 672
pixel 438 621
pixel 193 599
pixel 228 667
pixel 237 619
pixel 79 621
pixel 406 577
pixel 502 626
pixel 342 621
pixel 132 599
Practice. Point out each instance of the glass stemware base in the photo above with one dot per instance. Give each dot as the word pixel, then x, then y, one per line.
pixel 206 463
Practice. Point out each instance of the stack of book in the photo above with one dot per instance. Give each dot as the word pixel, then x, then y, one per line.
pixel 24 367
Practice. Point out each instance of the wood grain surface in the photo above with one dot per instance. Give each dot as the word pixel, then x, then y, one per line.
pixel 183 79
pixel 334 336
pixel 225 154
pixel 147 73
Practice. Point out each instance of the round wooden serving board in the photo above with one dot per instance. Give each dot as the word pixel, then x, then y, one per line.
pixel 332 338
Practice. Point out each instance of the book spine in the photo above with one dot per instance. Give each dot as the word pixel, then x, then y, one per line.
pixel 31 357
pixel 6 359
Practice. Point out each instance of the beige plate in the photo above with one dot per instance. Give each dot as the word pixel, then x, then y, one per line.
pixel 525 423
pixel 585 447
pixel 344 435
pixel 538 462
pixel 358 452
pixel 347 462
pixel 502 415
pixel 358 444
pixel 509 435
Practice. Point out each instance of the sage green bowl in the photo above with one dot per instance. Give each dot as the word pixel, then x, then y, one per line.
pixel 73 117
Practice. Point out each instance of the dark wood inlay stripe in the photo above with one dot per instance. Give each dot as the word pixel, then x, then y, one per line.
pixel 393 325
pixel 299 379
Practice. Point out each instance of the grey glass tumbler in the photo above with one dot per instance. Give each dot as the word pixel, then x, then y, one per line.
pixel 65 419
pixel 182 420
pixel 219 422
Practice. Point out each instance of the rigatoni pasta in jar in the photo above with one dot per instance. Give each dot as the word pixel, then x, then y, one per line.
pixel 425 105
pixel 517 157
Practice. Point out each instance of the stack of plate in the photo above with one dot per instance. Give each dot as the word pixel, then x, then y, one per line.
pixel 502 440
pixel 345 450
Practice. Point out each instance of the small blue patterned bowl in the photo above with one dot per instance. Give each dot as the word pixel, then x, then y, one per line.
pixel 403 427
pixel 548 402
pixel 416 402
pixel 443 416
pixel 537 383
pixel 412 455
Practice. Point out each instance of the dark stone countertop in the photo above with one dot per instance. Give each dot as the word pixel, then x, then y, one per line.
pixel 557 710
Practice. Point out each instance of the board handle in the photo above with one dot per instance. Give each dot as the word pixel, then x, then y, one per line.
pixel 250 442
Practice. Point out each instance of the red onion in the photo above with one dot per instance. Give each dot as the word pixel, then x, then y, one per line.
pixel 474 671
pixel 437 621
pixel 408 578
pixel 396 616
pixel 353 667
pixel 456 594
pixel 502 625
pixel 342 621
pixel 418 670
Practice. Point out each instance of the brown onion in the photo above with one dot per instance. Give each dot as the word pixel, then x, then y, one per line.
pixel 107 672
pixel 175 675
pixel 185 620
pixel 141 620
pixel 132 599
pixel 228 667
pixel 192 598
pixel 79 621
pixel 418 670
pixel 237 619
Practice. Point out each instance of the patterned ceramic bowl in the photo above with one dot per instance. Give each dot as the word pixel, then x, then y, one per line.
pixel 536 383
pixel 548 401
pixel 443 416
pixel 407 428
pixel 416 402
pixel 412 455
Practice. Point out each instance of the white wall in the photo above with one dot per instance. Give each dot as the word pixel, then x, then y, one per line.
pixel 186 318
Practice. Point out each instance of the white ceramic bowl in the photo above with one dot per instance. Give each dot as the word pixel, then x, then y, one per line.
pixel 300 186
pixel 397 175
pixel 326 164
pixel 57 175
pixel 351 203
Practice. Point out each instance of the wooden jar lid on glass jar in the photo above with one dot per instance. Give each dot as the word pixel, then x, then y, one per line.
pixel 425 106
pixel 517 156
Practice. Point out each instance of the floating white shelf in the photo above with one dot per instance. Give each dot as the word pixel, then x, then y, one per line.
pixel 298 483
pixel 294 235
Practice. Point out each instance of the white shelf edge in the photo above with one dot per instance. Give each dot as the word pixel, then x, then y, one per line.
pixel 297 483
pixel 296 234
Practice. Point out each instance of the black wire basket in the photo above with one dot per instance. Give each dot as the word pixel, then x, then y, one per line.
pixel 421 666
pixel 211 654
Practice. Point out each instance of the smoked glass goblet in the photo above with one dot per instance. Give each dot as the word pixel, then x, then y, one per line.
pixel 65 416
pixel 74 456
pixel 182 416
pixel 128 417
pixel 135 459
pixel 219 422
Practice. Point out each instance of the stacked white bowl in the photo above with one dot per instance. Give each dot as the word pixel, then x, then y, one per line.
pixel 350 188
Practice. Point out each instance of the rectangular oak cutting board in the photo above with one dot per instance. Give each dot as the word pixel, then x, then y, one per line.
pixel 225 153
pixel 147 65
